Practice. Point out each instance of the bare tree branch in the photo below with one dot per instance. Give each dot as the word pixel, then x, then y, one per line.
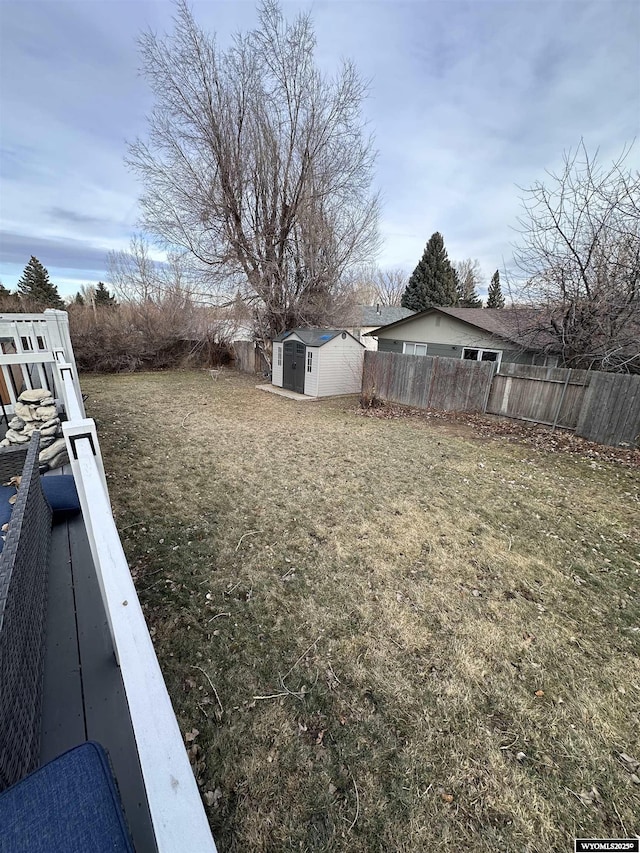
pixel 256 164
pixel 579 255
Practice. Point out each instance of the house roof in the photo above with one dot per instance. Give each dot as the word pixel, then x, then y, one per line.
pixel 379 315
pixel 314 337
pixel 522 326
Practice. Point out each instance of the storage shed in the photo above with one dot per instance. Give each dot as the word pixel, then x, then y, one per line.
pixel 318 362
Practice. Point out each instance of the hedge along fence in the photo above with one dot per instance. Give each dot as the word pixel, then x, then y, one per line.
pixel 446 384
pixel 601 407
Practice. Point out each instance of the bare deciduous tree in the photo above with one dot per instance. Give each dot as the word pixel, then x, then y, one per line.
pixel 257 164
pixel 579 255
pixel 469 280
pixel 389 285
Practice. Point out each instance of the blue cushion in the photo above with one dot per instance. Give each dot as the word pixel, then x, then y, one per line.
pixel 5 509
pixel 71 804
pixel 60 491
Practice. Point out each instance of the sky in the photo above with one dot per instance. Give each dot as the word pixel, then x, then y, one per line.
pixel 468 102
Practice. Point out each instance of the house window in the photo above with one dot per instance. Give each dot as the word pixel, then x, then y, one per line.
pixel 414 349
pixel 309 361
pixel 471 354
pixel 279 356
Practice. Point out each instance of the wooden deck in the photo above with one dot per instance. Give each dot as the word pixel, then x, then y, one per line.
pixel 84 696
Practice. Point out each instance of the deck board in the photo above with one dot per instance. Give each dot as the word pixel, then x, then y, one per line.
pixel 84 695
pixel 63 724
pixel 106 709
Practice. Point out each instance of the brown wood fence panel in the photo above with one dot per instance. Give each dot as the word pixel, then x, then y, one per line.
pixel 611 410
pixel 446 384
pixel 545 395
pixel 602 407
pixel 248 357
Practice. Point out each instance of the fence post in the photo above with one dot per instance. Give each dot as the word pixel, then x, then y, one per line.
pixel 562 396
pixel 495 369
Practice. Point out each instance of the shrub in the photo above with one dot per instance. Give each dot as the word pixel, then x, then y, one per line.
pixel 145 336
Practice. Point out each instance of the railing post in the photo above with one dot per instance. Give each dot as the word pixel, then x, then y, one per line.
pixel 60 339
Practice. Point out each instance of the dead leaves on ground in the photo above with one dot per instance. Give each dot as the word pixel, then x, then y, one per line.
pixel 533 435
pixel 15 482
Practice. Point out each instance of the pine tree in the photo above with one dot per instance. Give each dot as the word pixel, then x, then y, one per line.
pixel 495 298
pixel 35 286
pixel 102 298
pixel 433 282
pixel 78 299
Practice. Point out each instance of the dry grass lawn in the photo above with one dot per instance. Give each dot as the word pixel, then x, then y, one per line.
pixel 418 640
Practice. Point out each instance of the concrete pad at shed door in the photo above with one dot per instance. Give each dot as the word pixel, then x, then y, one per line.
pixel 284 392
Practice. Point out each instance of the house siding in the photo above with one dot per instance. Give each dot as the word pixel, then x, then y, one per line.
pixel 447 337
pixel 441 329
pixel 276 371
pixel 387 345
pixel 360 334
pixel 340 367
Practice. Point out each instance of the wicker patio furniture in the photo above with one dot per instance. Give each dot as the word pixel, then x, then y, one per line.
pixel 23 594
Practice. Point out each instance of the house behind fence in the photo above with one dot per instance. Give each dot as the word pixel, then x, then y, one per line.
pixel 601 407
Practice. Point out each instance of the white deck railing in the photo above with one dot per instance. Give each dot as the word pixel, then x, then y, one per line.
pixel 177 814
pixel 29 346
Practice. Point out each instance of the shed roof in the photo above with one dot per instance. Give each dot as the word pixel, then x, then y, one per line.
pixel 314 337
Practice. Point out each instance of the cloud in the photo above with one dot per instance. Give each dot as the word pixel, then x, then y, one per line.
pixel 60 214
pixel 65 253
pixel 468 100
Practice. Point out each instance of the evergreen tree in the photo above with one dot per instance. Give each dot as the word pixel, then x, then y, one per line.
pixel 103 298
pixel 35 285
pixel 495 297
pixel 433 282
pixel 78 299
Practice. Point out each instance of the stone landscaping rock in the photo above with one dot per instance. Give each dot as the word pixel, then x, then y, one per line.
pixel 52 430
pixel 45 413
pixel 35 396
pixel 27 413
pixel 46 441
pixel 5 443
pixel 59 460
pixel 16 423
pixel 16 437
pixel 53 450
pixel 47 424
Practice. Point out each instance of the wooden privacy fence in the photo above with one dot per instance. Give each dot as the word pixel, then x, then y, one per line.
pixel 611 410
pixel 249 358
pixel 447 384
pixel 601 407
pixel 545 395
